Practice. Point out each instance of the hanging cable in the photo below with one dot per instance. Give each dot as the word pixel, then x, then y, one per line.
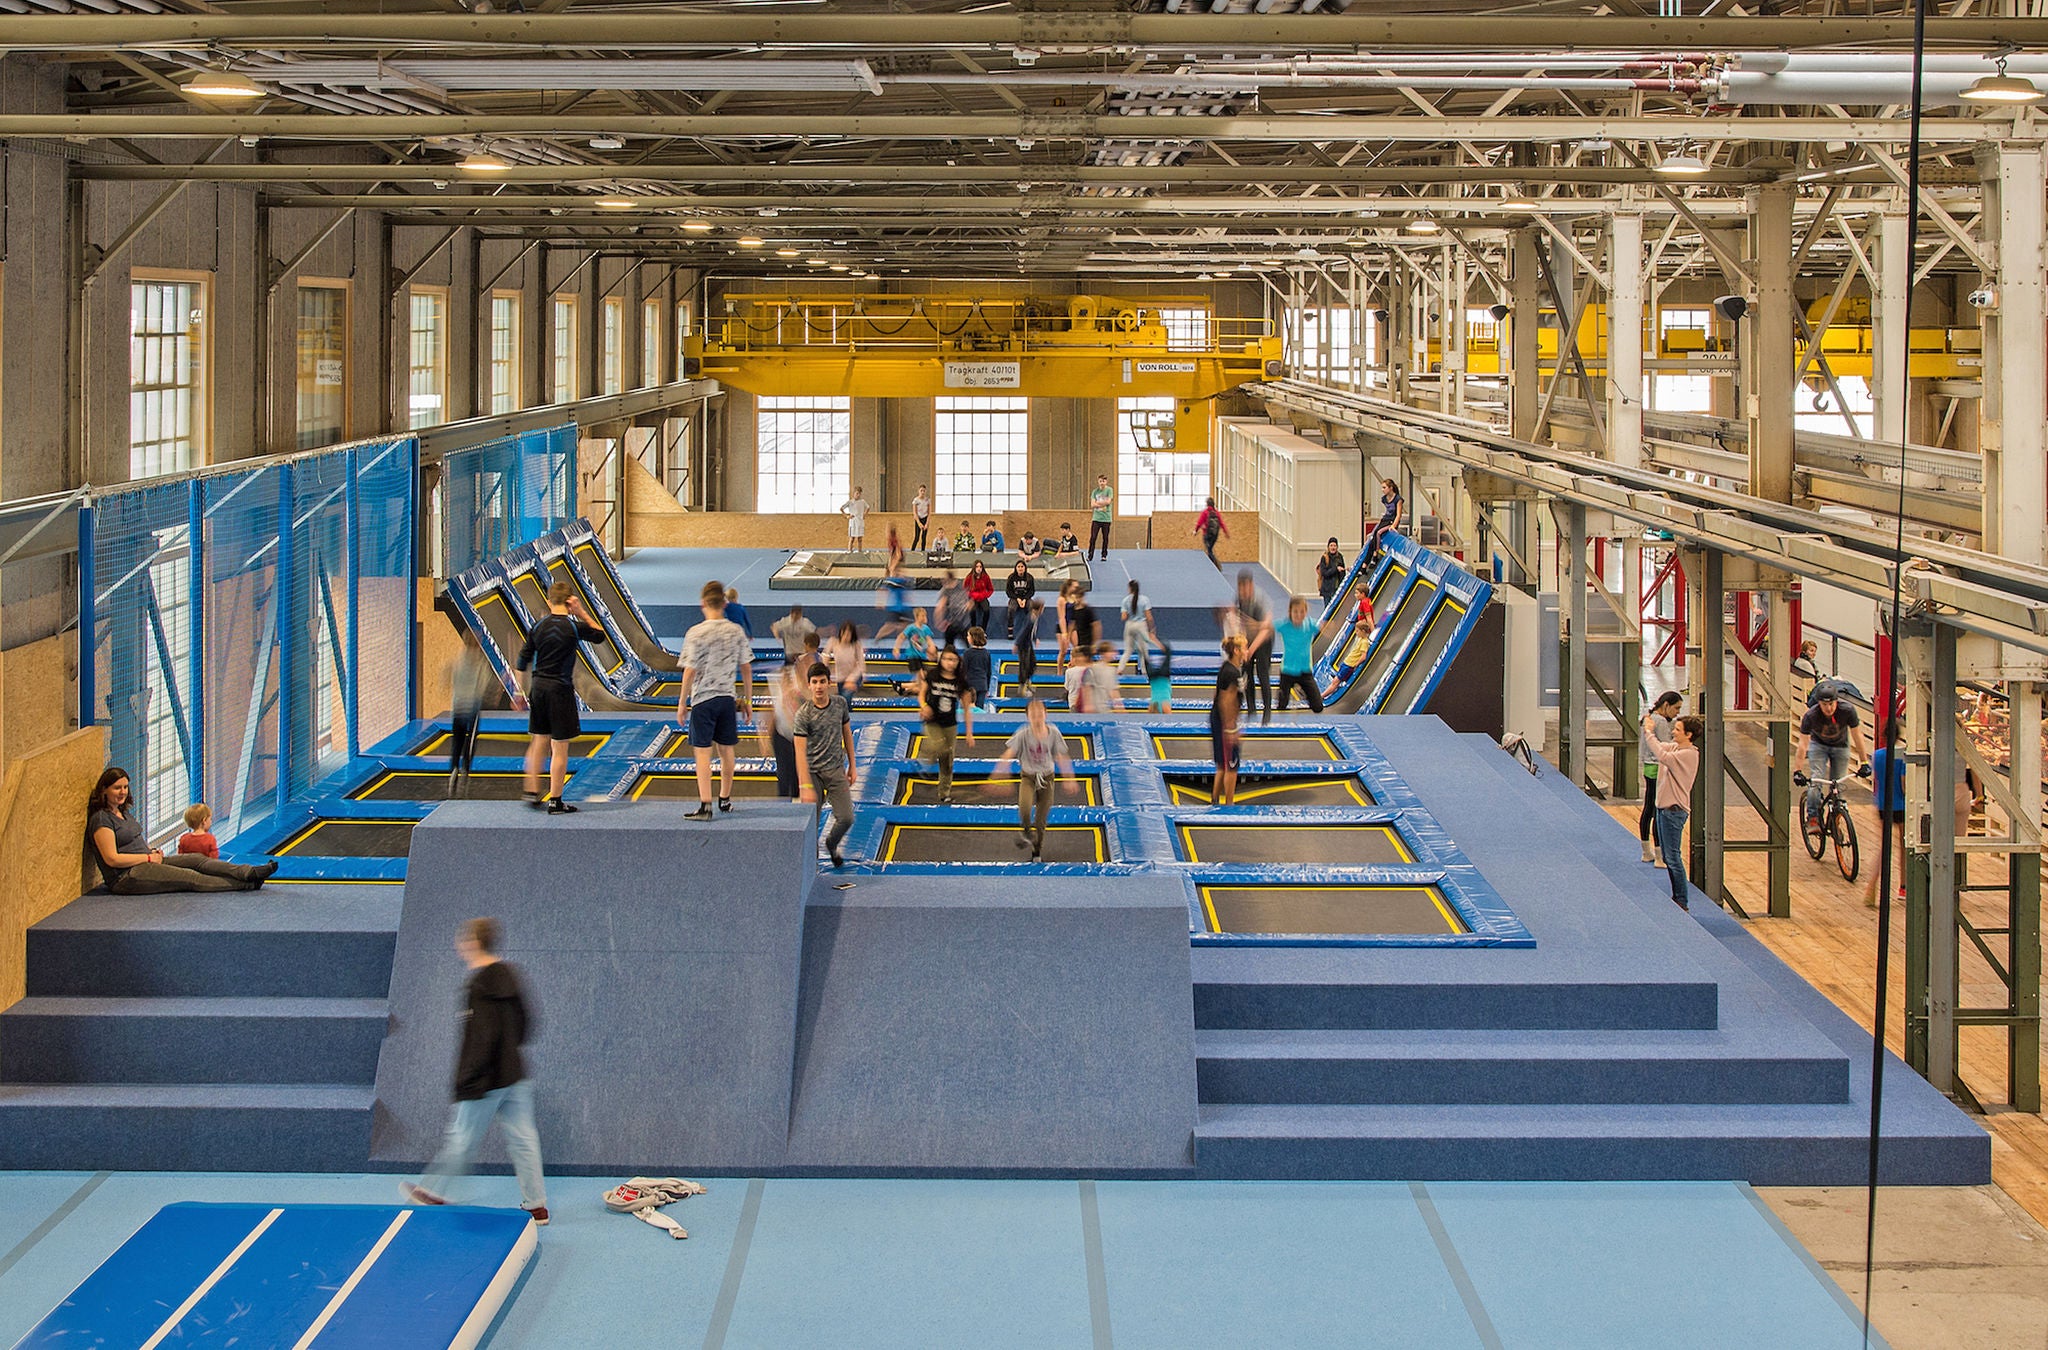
pixel 1889 689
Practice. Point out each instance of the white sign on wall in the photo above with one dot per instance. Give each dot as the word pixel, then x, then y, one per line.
pixel 984 374
pixel 327 371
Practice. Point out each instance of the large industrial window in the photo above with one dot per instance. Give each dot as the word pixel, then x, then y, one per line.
pixel 650 343
pixel 167 374
pixel 804 453
pixel 1682 331
pixel 505 392
pixel 562 350
pixel 1150 474
pixel 323 363
pixel 982 454
pixel 165 783
pixel 1187 330
pixel 427 358
pixel 1319 341
pixel 613 346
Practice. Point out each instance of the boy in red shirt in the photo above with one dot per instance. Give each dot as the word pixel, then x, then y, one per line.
pixel 198 837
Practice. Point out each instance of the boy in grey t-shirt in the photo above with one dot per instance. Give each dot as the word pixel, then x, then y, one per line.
pixel 1036 748
pixel 823 732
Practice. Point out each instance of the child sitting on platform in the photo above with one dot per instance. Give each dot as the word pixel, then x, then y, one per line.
pixel 198 837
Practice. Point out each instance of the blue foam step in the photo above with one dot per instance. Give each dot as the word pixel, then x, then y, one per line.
pixel 47 1039
pixel 185 1127
pixel 1806 1145
pixel 1389 1067
pixel 311 941
pixel 1230 994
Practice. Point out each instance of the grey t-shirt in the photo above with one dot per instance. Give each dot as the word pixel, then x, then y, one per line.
pixel 1036 752
pixel 823 730
pixel 128 838
pixel 715 649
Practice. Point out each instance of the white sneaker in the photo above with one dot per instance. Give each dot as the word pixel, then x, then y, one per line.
pixel 1649 852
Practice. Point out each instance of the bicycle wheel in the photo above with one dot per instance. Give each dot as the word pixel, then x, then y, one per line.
pixel 1813 831
pixel 1847 857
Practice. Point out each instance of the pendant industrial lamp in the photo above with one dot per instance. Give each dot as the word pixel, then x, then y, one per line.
pixel 2003 88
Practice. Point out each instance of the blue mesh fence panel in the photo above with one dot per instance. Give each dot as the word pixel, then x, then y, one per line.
pixel 245 651
pixel 318 635
pixel 243 671
pixel 385 475
pixel 141 644
pixel 499 495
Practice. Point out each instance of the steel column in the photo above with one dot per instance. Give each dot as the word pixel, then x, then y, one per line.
pixel 1769 379
pixel 1710 792
pixel 1571 670
pixel 1892 287
pixel 2015 402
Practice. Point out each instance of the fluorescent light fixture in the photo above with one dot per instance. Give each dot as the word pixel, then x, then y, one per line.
pixel 483 161
pixel 671 74
pixel 789 253
pixel 749 241
pixel 697 226
pixel 840 267
pixel 607 142
pixel 223 84
pixel 814 262
pixel 617 203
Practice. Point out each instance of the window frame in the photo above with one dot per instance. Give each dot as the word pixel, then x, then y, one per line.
pixel 769 408
pixel 986 415
pixel 347 427
pixel 651 329
pixel 1133 497
pixel 561 353
pixel 515 392
pixel 443 296
pixel 611 345
pixel 200 434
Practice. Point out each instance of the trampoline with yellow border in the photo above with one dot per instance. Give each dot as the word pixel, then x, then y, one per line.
pixel 1289 843
pixel 971 842
pixel 1252 745
pixel 922 789
pixel 1279 789
pixel 1328 909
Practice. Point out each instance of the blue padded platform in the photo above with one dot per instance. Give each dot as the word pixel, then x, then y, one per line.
pixel 1028 1027
pixel 344 1277
pixel 662 955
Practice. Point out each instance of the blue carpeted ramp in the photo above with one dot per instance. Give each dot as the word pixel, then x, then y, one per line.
pixel 662 956
pixel 1009 1025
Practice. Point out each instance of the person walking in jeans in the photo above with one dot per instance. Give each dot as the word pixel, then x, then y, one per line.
pixel 1678 764
pixel 490 1078
pixel 1036 749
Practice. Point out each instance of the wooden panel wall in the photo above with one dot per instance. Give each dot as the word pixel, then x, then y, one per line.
pixel 42 840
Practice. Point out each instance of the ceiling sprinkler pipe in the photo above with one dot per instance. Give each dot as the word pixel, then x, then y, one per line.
pixel 1971 65
pixel 1749 89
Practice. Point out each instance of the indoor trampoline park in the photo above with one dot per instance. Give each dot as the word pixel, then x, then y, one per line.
pixel 1433 508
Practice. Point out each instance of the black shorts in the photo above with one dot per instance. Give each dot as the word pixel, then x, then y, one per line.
pixel 1216 750
pixel 551 711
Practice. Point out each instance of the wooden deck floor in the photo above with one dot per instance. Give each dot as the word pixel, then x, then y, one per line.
pixel 1831 940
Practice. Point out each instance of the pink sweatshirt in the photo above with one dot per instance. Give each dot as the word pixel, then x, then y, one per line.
pixel 1678 766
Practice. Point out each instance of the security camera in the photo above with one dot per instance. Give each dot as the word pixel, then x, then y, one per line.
pixel 1498 312
pixel 1025 142
pixel 1730 307
pixel 1984 297
pixel 1380 314
pixel 250 141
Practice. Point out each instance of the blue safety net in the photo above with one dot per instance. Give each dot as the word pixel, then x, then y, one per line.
pixel 244 670
pixel 504 493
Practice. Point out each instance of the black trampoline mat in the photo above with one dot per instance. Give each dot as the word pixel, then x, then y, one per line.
pixel 502 744
pixel 1304 789
pixel 350 839
pixel 1251 745
pixel 989 745
pixel 922 789
pixel 1328 909
pixel 992 843
pixel 1280 843
pixel 423 785
pixel 682 787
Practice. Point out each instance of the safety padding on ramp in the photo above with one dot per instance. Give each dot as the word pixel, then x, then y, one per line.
pixel 367 1277
pixel 1025 1027
pixel 662 957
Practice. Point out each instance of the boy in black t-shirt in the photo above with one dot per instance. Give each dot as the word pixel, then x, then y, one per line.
pixel 552 715
pixel 941 695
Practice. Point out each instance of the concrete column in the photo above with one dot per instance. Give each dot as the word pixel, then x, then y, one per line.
pixel 1400 337
pixel 1772 363
pixel 1454 318
pixel 2015 402
pixel 1894 283
pixel 1524 378
pixel 1571 584
pixel 1625 339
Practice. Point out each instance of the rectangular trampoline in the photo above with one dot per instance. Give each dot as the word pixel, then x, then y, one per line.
pixel 1252 745
pixel 991 843
pixel 989 745
pixel 509 744
pixel 429 785
pixel 1274 789
pixel 922 789
pixel 661 785
pixel 1289 843
pixel 337 838
pixel 1329 910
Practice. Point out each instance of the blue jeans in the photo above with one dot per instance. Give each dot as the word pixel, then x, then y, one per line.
pixel 1823 761
pixel 1671 843
pixel 512 1108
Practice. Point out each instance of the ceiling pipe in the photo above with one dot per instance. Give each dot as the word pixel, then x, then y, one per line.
pixel 1052 176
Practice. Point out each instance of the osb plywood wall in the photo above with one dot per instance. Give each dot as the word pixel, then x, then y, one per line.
pixel 746 529
pixel 36 694
pixel 42 840
pixel 439 645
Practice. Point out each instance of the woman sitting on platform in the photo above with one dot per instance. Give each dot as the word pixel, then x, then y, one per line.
pixel 130 867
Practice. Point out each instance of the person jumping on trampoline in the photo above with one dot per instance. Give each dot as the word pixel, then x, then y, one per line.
pixel 466 679
pixel 1297 656
pixel 823 732
pixel 1210 526
pixel 893 599
pixel 1159 671
pixel 848 658
pixel 893 551
pixel 547 669
pixel 1257 627
pixel 490 1079
pixel 1224 739
pixel 129 866
pixel 923 644
pixel 1037 750
pixel 1084 625
pixel 1024 641
pixel 714 652
pixel 941 695
pixel 856 512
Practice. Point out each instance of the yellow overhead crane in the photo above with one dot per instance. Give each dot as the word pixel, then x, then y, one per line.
pixel 1032 346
